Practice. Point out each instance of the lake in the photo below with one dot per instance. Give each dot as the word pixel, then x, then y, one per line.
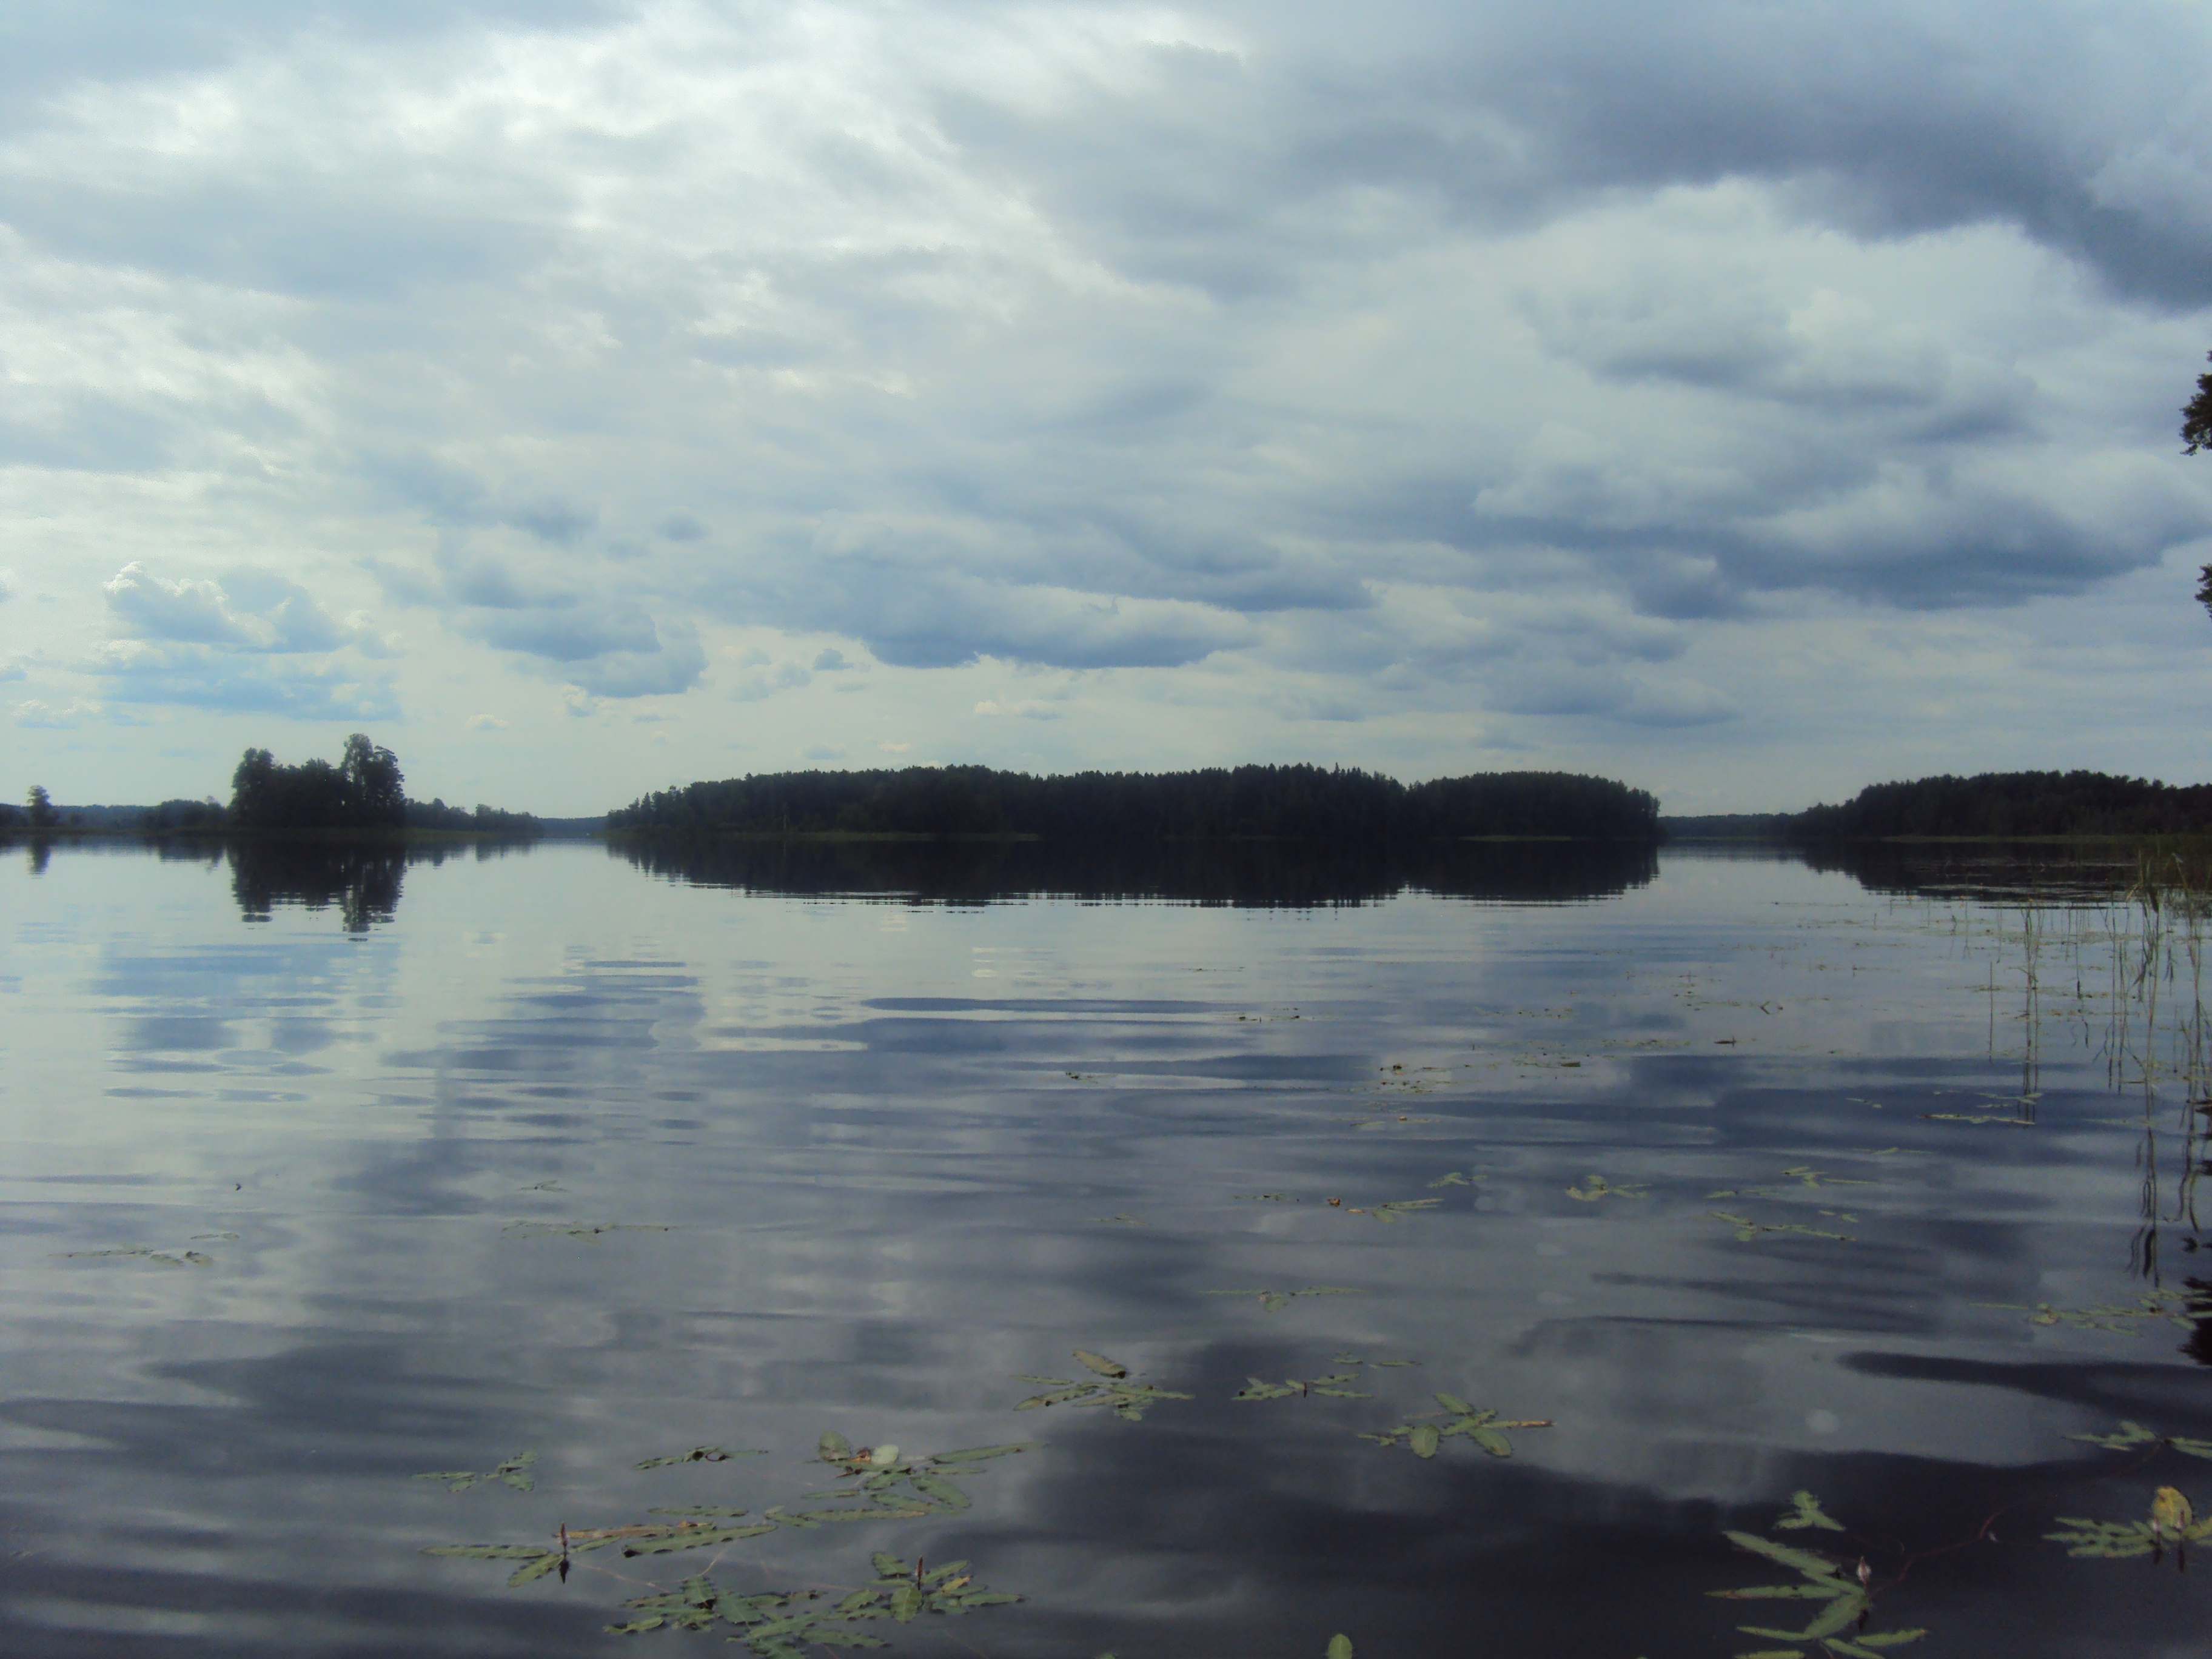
pixel 624 1195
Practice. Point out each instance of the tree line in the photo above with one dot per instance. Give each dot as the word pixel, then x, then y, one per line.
pixel 1245 802
pixel 2009 804
pixel 363 790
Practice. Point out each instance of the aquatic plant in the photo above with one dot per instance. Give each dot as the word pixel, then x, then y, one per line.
pixel 157 1258
pixel 1395 1208
pixel 1258 1389
pixel 1598 1186
pixel 2182 1308
pixel 515 1472
pixel 780 1626
pixel 1276 1301
pixel 1747 1230
pixel 923 1481
pixel 591 1232
pixel 696 1454
pixel 2130 1435
pixel 1110 1387
pixel 1484 1427
pixel 2172 1520
pixel 1820 1578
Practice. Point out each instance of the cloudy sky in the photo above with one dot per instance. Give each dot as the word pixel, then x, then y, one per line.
pixel 1751 401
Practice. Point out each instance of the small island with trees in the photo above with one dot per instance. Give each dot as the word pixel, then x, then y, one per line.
pixel 1244 802
pixel 361 795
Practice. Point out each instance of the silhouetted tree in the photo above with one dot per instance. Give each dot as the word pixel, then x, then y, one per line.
pixel 41 808
pixel 2197 434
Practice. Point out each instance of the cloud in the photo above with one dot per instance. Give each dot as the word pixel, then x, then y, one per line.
pixel 1550 362
pixel 251 642
pixel 194 676
pixel 758 682
pixel 36 714
pixel 1027 710
pixel 484 723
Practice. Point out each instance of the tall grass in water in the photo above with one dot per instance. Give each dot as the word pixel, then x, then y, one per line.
pixel 2165 908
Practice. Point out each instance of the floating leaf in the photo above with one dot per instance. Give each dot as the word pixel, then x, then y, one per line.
pixel 1803 1561
pixel 537 1561
pixel 1396 1208
pixel 1258 1389
pixel 692 1535
pixel 1340 1647
pixel 692 1509
pixel 2128 1434
pixel 1276 1301
pixel 1454 1179
pixel 1100 1363
pixel 1747 1229
pixel 588 1231
pixel 1598 1186
pixel 698 1454
pixel 515 1472
pixel 1805 1511
pixel 976 1453
pixel 833 1447
pixel 1482 1426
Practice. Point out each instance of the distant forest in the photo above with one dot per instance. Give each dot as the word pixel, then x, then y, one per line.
pixel 2010 804
pixel 1247 802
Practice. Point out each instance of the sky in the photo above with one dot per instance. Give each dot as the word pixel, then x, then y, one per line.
pixel 1748 401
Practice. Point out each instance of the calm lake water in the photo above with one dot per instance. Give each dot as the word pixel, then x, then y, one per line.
pixel 1746 1177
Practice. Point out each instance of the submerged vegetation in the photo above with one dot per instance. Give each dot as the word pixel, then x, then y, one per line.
pixel 1307 803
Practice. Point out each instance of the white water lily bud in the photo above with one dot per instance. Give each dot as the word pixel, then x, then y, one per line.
pixel 883 1457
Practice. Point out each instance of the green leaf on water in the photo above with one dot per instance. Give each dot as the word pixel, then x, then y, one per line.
pixel 1423 1439
pixel 1598 1187
pixel 514 1472
pixel 942 1491
pixel 1805 1511
pixel 1276 1301
pixel 1100 1363
pixel 1801 1561
pixel 590 1232
pixel 1396 1208
pixel 537 1568
pixel 976 1453
pixel 692 1537
pixel 1747 1230
pixel 1784 1592
pixel 698 1454
pixel 694 1509
pixel 833 1447
pixel 1340 1647
pixel 1454 1179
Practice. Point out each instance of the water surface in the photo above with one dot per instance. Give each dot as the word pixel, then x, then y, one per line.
pixel 867 1135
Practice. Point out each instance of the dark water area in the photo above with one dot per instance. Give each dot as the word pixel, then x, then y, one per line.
pixel 1290 873
pixel 1741 1176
